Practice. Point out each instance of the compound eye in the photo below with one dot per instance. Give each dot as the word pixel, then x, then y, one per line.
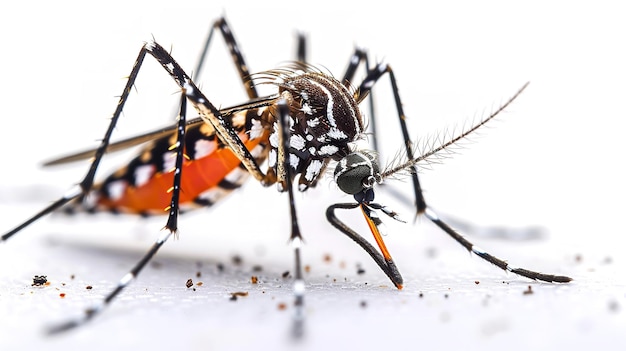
pixel 354 173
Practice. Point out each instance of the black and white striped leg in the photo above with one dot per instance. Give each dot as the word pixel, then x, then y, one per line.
pixel 170 228
pixel 357 57
pixel 551 278
pixel 86 184
pixel 365 90
pixel 295 237
pixel 235 52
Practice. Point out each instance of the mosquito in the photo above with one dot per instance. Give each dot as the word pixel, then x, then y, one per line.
pixel 308 126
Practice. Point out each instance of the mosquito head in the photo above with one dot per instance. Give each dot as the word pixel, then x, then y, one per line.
pixel 357 172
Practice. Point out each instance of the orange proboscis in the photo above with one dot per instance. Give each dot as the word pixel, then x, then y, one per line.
pixel 379 241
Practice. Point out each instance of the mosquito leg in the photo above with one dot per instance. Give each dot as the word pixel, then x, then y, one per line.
pixel 386 264
pixel 365 90
pixel 169 229
pixel 235 52
pixel 86 184
pixel 490 258
pixel 209 112
pixel 359 56
pixel 301 48
pixel 296 236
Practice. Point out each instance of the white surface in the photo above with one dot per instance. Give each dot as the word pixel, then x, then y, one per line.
pixel 553 159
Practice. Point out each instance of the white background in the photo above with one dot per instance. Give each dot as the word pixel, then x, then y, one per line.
pixel 553 159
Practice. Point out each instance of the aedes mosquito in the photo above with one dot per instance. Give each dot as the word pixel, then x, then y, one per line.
pixel 310 124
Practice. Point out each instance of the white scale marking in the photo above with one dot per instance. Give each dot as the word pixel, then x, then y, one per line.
pixel 297 142
pixel 294 161
pixel 313 170
pixel 143 174
pixel 328 150
pixel 256 130
pixel 203 148
pixel 116 189
pixel 169 160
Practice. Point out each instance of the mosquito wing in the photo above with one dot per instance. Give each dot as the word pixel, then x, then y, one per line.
pixel 156 134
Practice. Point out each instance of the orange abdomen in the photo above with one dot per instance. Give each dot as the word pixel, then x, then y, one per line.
pixel 198 176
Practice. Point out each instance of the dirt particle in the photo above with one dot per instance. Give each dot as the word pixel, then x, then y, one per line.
pixel 528 291
pixel 254 279
pixel 476 282
pixel 285 274
pixel 198 274
pixel 282 306
pixel 199 283
pixel 189 283
pixel 237 260
pixel 257 268
pixel 62 295
pixel 363 304
pixel 39 280
pixel 307 269
pixel 237 294
pixel 360 270
pixel 327 258
pixel 89 287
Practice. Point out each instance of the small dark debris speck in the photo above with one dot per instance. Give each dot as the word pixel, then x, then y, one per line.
pixel 198 274
pixel 254 279
pixel 220 267
pixel 72 276
pixel 285 274
pixel 237 260
pixel 257 268
pixel 282 306
pixel 39 280
pixel 446 296
pixel 307 268
pixel 363 304
pixel 62 295
pixel 476 282
pixel 421 295
pixel 528 291
pixel 89 287
pixel 189 283
pixel 360 270
pixel 235 295
pixel 327 258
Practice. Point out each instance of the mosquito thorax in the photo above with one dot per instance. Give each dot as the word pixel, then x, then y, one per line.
pixel 325 121
pixel 357 172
